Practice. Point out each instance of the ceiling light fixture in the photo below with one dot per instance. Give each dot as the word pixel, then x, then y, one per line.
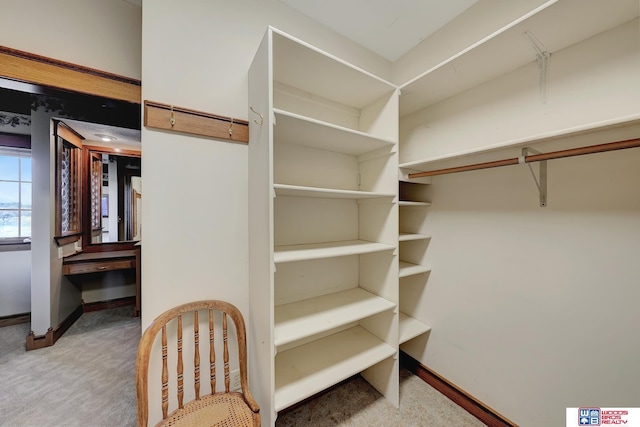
pixel 105 138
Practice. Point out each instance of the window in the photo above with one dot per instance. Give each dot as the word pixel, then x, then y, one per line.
pixel 15 194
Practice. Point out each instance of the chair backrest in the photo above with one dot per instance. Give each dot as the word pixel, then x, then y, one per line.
pixel 175 315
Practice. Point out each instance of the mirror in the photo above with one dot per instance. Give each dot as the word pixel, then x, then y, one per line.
pixel 112 185
pixel 115 191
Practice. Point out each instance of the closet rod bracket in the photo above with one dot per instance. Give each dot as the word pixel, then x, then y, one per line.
pixel 541 179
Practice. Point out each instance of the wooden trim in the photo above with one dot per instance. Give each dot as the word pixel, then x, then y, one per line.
pixel 105 305
pixel 40 70
pixel 475 407
pixel 47 340
pixel 41 341
pixel 159 116
pixel 65 240
pixel 68 134
pixel 15 319
pixel 116 151
pixel 66 323
pixel 110 247
pixel 67 137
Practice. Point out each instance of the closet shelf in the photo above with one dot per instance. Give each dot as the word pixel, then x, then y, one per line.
pixel 455 159
pixel 410 269
pixel 305 318
pixel 306 370
pixel 301 65
pixel 292 128
pixel 407 203
pixel 327 193
pixel 557 24
pixel 405 237
pixel 290 253
pixel 411 328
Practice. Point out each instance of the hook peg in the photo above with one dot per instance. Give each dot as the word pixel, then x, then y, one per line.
pixel 260 115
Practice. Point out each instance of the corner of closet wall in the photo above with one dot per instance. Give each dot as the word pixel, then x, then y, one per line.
pixel 476 23
pixel 323 224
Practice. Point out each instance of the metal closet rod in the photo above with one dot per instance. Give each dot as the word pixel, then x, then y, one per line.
pixel 600 148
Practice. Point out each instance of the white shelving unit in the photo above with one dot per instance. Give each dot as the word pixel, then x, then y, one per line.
pixel 301 319
pixel 413 271
pixel 410 269
pixel 323 220
pixel 415 204
pixel 300 191
pixel 289 253
pixel 307 370
pixel 411 328
pixel 404 237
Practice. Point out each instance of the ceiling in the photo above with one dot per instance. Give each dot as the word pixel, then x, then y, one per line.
pixel 125 138
pixel 389 28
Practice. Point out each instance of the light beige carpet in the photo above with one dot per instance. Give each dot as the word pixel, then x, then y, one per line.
pixel 356 403
pixel 86 379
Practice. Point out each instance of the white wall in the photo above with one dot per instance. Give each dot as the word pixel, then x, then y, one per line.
pixel 535 309
pixel 101 34
pixel 53 297
pixel 15 282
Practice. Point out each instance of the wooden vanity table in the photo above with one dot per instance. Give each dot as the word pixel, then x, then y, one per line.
pixel 99 262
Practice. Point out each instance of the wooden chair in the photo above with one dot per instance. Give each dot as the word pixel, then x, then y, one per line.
pixel 216 409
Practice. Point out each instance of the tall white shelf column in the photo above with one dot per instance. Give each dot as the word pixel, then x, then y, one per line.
pixel 323 217
pixel 413 269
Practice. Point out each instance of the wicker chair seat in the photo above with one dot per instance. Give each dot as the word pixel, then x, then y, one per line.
pixel 218 410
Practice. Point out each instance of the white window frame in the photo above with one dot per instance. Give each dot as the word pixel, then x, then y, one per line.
pixel 22 153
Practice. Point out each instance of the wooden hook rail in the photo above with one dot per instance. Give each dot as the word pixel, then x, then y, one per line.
pixel 601 148
pixel 170 117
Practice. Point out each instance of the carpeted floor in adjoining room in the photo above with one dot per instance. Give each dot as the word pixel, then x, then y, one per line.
pixel 88 379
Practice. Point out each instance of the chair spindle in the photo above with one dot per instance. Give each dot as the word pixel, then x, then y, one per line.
pixel 180 365
pixel 165 374
pixel 227 382
pixel 196 356
pixel 212 355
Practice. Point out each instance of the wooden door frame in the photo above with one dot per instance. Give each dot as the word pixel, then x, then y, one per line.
pixel 43 71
